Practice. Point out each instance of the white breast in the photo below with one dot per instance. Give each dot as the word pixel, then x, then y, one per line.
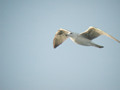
pixel 81 40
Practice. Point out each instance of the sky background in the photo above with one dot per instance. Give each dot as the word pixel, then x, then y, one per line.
pixel 28 60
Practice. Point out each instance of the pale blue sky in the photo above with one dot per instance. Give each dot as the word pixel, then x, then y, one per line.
pixel 28 60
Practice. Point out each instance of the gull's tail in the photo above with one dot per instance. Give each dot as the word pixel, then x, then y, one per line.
pixel 96 45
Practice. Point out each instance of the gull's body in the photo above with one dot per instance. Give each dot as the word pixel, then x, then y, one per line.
pixel 84 38
pixel 80 40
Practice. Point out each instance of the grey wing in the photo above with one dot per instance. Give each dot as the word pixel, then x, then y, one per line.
pixel 93 32
pixel 60 37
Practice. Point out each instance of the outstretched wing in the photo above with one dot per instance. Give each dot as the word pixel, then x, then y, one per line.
pixel 93 32
pixel 60 37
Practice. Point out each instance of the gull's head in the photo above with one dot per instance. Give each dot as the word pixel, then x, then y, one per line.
pixel 71 34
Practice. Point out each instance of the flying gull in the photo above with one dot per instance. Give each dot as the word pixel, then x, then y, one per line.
pixel 84 38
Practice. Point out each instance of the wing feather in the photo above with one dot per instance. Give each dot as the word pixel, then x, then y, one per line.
pixel 60 37
pixel 93 32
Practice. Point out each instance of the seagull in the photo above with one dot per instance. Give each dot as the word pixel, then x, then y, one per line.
pixel 84 38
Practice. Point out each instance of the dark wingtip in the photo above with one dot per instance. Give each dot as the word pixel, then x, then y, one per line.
pixel 54 46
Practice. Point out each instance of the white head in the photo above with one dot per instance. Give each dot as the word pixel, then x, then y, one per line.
pixel 72 34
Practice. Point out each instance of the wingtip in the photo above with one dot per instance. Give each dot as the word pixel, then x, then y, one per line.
pixel 54 46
